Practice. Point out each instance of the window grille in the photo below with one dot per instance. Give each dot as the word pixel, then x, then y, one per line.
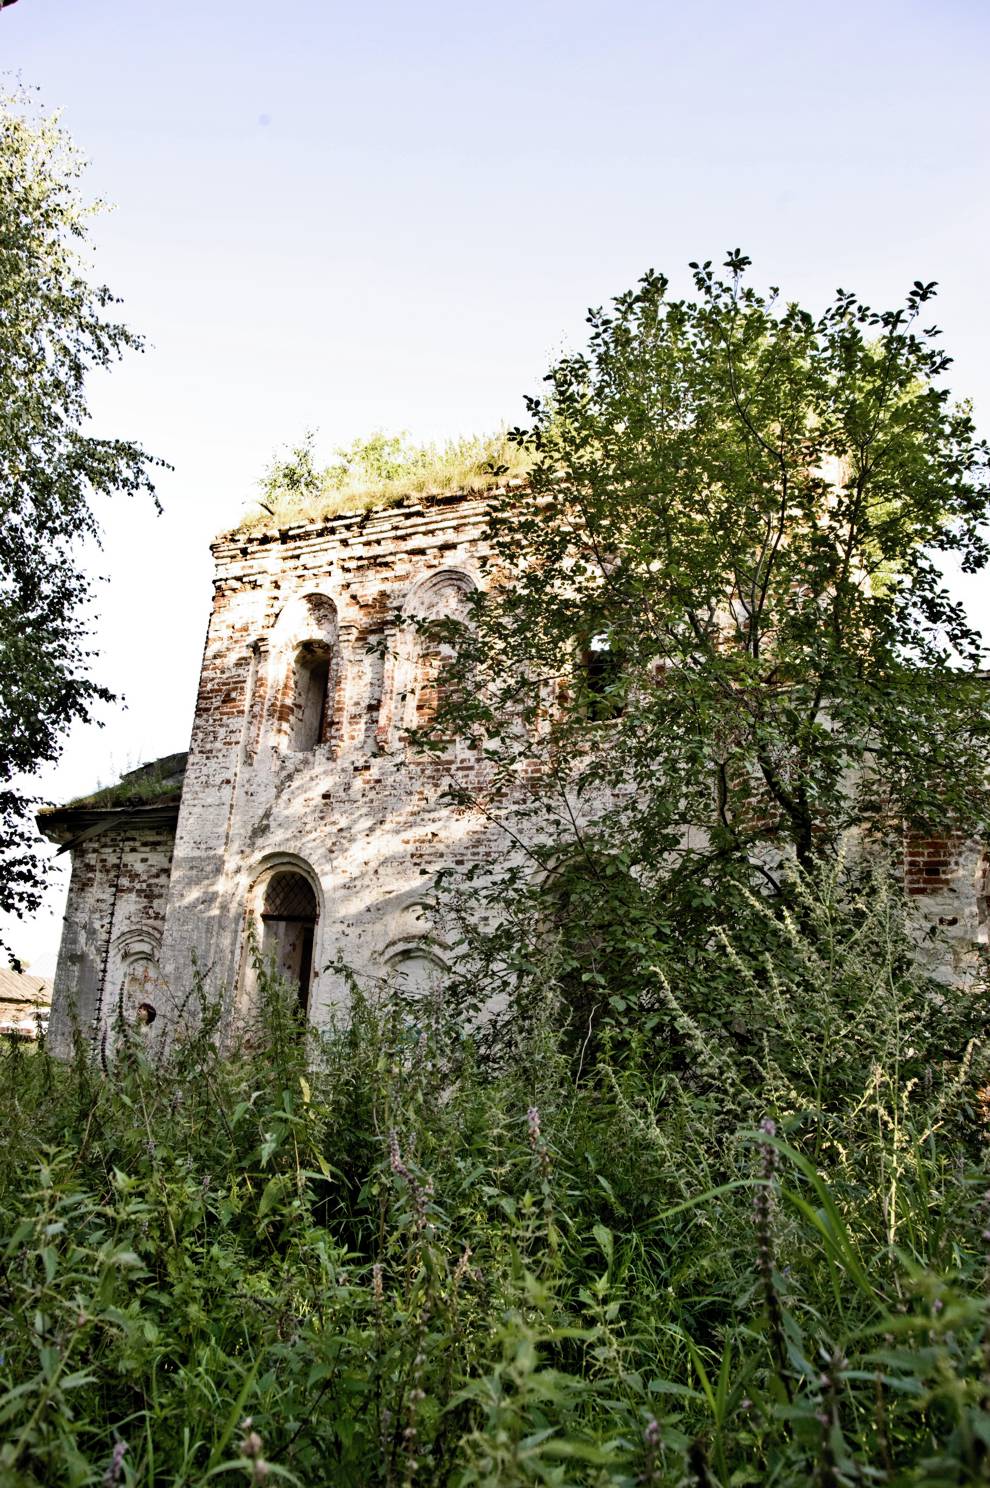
pixel 289 896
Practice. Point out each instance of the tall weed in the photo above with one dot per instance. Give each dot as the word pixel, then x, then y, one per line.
pixel 752 1247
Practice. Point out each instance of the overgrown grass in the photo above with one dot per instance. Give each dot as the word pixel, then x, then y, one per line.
pixel 370 1259
pixel 382 470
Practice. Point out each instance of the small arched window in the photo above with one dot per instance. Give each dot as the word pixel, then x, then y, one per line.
pixel 602 678
pixel 289 912
pixel 304 675
pixel 312 696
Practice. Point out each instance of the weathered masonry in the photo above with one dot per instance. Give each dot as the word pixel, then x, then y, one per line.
pixel 303 810
pixel 302 813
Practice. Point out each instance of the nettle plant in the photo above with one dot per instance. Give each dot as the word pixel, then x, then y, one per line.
pixel 717 634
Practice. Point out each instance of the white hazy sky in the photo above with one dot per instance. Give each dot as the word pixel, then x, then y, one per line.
pixel 384 215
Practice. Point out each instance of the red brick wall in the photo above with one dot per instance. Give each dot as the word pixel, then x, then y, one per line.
pixel 930 863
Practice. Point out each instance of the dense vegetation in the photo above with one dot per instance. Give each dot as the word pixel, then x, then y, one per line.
pixel 753 1250
pixel 732 548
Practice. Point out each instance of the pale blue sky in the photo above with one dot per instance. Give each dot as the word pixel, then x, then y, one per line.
pixel 349 217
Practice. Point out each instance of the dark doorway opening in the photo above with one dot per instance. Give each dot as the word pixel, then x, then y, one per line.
pixel 603 668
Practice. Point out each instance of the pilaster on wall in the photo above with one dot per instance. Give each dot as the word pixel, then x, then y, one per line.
pixel 220 742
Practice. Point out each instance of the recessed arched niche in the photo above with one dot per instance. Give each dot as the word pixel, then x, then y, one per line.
pixel 413 680
pixel 139 982
pixel 417 970
pixel 305 676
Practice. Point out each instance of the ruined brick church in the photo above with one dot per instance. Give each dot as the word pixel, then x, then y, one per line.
pixel 302 811
pixel 301 807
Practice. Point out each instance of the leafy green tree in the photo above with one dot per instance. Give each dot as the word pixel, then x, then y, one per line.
pixel 716 634
pixel 56 326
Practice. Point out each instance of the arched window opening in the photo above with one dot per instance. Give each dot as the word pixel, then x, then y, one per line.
pixel 602 668
pixel 289 912
pixel 304 674
pixel 312 697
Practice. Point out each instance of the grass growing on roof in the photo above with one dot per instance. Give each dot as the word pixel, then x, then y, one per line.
pixel 378 471
pixel 157 781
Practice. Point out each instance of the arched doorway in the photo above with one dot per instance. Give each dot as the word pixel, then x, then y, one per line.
pixel 289 912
